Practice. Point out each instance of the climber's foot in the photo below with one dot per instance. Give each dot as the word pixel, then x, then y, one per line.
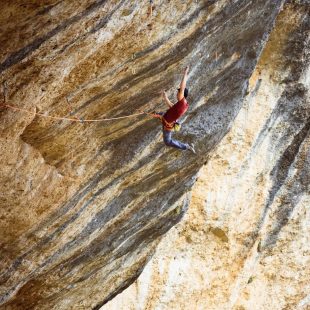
pixel 191 148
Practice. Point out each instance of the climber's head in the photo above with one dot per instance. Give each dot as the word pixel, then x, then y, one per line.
pixel 185 92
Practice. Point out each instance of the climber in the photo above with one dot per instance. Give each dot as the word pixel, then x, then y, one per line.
pixel 175 111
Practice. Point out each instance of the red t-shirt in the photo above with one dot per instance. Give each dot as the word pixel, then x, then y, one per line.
pixel 176 111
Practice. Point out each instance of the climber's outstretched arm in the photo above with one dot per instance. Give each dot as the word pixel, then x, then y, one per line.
pixel 167 101
pixel 183 84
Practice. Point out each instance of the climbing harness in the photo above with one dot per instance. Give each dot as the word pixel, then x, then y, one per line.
pixel 174 126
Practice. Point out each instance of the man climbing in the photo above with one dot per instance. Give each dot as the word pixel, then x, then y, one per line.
pixel 175 111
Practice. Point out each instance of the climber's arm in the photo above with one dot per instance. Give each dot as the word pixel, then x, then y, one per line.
pixel 183 84
pixel 167 101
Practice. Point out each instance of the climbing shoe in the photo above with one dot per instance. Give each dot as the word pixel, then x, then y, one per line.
pixel 191 148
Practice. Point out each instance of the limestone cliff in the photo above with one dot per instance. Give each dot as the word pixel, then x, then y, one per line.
pixel 244 242
pixel 84 205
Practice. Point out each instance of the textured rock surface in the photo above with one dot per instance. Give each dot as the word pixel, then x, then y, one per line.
pixel 83 206
pixel 245 240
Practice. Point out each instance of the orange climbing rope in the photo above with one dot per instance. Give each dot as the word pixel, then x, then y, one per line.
pixel 71 119
pixel 71 109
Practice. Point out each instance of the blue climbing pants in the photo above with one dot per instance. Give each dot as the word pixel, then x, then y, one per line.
pixel 174 143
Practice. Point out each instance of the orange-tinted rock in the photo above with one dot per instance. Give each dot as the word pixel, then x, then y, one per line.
pixel 83 205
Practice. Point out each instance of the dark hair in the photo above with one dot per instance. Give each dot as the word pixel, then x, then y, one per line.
pixel 185 92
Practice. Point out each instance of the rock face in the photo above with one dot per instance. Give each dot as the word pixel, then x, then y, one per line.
pixel 84 205
pixel 245 241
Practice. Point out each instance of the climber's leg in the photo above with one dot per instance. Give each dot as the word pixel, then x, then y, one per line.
pixel 173 143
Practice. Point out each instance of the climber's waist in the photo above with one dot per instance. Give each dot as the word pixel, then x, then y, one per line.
pixel 167 126
pixel 174 126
